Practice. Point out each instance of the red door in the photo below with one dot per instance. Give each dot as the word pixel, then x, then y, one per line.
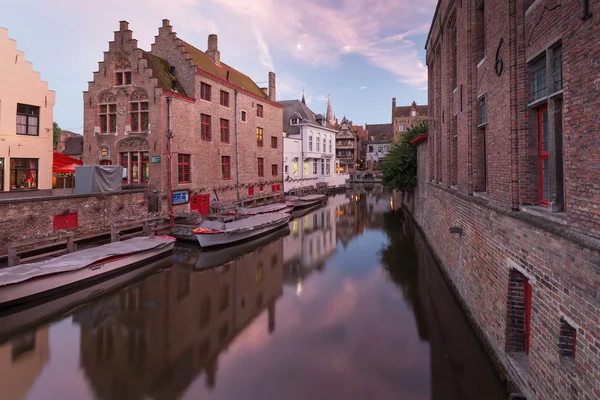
pixel 200 204
pixel 527 314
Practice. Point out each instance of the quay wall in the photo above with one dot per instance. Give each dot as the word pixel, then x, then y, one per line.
pixel 31 217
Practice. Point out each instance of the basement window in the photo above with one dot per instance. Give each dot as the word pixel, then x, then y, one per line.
pixel 567 341
pixel 518 317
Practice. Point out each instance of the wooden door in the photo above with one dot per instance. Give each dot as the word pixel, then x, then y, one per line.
pixel 200 204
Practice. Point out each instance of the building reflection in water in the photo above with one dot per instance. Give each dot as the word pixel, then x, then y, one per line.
pixel 155 337
pixel 460 368
pixel 21 361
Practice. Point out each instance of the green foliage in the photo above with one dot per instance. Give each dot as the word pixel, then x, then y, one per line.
pixel 55 135
pixel 399 167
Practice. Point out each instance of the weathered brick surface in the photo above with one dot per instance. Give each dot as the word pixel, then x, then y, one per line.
pixel 558 252
pixel 23 218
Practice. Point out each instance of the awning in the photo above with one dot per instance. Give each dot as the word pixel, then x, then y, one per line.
pixel 64 164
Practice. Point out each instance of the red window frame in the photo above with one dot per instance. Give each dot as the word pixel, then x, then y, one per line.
pixel 261 168
pixel 123 78
pixel 543 154
pixel 144 167
pixel 140 117
pixel 205 90
pixel 251 191
pixel 259 111
pixel 273 142
pixel 108 118
pixel 224 98
pixel 260 136
pixel 184 168
pixel 224 130
pixel 124 159
pixel 274 169
pixel 260 187
pixel 226 167
pixel 135 161
pixel 275 188
pixel 205 127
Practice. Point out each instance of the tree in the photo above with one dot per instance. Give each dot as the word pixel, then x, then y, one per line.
pixel 55 135
pixel 399 167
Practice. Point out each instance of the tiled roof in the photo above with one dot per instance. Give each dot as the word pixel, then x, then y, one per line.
pixel 161 71
pixel 73 146
pixel 376 131
pixel 204 62
pixel 295 108
pixel 404 111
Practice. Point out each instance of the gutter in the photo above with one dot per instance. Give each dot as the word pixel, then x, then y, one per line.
pixel 237 147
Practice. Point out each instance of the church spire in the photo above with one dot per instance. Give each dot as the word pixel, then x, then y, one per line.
pixel 303 100
pixel 329 114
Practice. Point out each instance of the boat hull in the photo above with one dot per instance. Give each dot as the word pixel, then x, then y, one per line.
pixel 303 203
pixel 19 294
pixel 220 239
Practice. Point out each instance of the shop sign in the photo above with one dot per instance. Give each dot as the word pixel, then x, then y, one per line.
pixel 181 197
pixel 104 152
pixel 155 159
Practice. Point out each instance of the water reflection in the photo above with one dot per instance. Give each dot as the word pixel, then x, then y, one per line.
pixel 346 303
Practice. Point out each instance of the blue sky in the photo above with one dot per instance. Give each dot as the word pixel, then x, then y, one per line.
pixel 361 52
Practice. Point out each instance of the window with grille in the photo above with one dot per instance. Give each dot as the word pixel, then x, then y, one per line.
pixel 273 142
pixel 108 118
pixel 315 167
pixel 539 83
pixel 205 89
pixel 274 169
pixel 544 163
pixel 558 76
pixel 123 78
pixel 205 127
pixel 23 173
pixel 259 137
pixel 224 130
pixel 28 120
pixel 318 143
pixel 183 168
pixel 226 167
pixel 259 111
pixel 224 98
pixel 139 116
pixel 310 143
pixel 261 167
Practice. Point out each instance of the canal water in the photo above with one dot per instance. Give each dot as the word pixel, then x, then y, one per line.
pixel 348 303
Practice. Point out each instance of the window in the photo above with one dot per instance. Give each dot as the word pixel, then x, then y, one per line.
pixel 383 137
pixel 330 145
pixel 322 166
pixel 370 149
pixel 251 191
pixel 145 166
pixel 285 169
pixel 295 166
pixel 1 174
pixel 108 118
pixel 224 98
pixel 567 340
pixel 558 84
pixel 315 167
pixel 483 110
pixel 519 313
pixel 274 169
pixel 480 169
pixel 205 91
pixel 328 167
pixel 243 116
pixel 125 164
pixel 183 168
pixel 275 188
pixel 226 167
pixel 544 168
pixel 261 167
pixel 310 143
pixel 260 187
pixel 259 110
pixel 294 121
pixel 259 137
pixel 134 156
pixel 205 127
pixel 23 173
pixel 139 116
pixel 123 78
pixel 224 130
pixel 28 120
pixel 539 83
pixel 273 142
pixel 402 127
pixel 318 143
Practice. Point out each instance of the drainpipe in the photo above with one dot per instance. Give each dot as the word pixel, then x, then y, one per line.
pixel 170 165
pixel 237 147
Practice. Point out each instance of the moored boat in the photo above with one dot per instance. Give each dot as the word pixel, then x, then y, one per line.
pixel 29 282
pixel 304 201
pixel 269 208
pixel 213 233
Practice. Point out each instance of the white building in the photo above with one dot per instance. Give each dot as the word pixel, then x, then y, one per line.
pixel 308 148
pixel 378 144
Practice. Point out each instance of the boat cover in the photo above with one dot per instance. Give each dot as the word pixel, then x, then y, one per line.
pixel 262 209
pixel 80 259
pixel 247 224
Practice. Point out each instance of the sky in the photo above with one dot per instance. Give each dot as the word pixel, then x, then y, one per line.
pixel 362 53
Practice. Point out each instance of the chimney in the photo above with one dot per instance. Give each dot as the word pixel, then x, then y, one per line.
pixel 166 23
pixel 393 102
pixel 272 94
pixel 123 25
pixel 213 49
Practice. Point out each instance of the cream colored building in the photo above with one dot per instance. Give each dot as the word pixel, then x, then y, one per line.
pixel 26 107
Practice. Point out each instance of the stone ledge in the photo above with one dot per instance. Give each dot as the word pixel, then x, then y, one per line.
pixel 67 196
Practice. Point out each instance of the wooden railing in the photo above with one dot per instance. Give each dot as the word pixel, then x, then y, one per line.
pixel 145 227
pixel 17 250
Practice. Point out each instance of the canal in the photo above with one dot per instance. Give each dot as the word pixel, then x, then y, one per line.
pixel 348 303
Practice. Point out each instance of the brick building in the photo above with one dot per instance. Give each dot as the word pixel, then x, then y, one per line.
pixel 227 131
pixel 377 144
pixel 404 117
pixel 508 190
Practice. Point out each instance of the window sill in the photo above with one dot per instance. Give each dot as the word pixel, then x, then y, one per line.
pixel 520 362
pixel 205 100
pixel 23 190
pixel 26 134
pixel 558 93
pixel 537 103
pixel 481 195
pixel 482 125
pixel 480 63
pixel 543 212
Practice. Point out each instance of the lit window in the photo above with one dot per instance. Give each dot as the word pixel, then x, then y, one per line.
pixel 259 137
pixel 23 173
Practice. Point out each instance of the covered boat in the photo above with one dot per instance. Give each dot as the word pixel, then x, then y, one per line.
pixel 269 208
pixel 28 282
pixel 304 201
pixel 214 233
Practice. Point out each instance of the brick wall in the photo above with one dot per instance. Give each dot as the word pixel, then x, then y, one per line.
pixel 23 218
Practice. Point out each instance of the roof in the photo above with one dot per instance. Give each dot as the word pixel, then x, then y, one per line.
pixel 73 145
pixel 161 71
pixel 378 130
pixel 297 109
pixel 204 62
pixel 404 111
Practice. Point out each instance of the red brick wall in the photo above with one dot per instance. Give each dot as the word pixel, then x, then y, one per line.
pixel 23 218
